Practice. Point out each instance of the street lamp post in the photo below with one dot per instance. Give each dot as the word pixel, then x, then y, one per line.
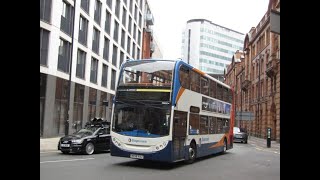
pixel 67 114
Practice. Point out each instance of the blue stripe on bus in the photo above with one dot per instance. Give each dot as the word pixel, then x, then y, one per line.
pixel 164 155
pixel 167 154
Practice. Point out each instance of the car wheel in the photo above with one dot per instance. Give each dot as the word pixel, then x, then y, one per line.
pixel 65 152
pixel 246 141
pixel 89 149
pixel 192 153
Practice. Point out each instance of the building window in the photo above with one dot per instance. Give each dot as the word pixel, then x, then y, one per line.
pixel 268 35
pixel 106 49
pixel 64 56
pixel 124 16
pixel 83 31
pixel 139 37
pixel 113 79
pixel 140 20
pixel 140 4
pixel 136 13
pixel 94 70
pixel 85 5
pixel 134 31
pixel 115 31
pixel 45 10
pixel 78 106
pixel 97 12
pixel 128 45
pixel 66 18
pixel 131 6
pixel 138 53
pixel 44 44
pixel 123 38
pixel 103 108
pixel 92 103
pixel 129 25
pixel 133 50
pixel 95 40
pixel 121 58
pixel 114 55
pixel 109 3
pixel 117 10
pixel 104 75
pixel 107 23
pixel 81 64
pixel 60 106
pixel 43 86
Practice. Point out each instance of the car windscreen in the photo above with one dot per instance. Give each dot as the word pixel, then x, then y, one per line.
pixel 147 74
pixel 86 131
pixel 236 129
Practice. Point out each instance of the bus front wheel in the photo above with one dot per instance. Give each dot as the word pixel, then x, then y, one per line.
pixel 192 153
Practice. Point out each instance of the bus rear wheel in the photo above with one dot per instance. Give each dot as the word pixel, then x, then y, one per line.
pixel 192 153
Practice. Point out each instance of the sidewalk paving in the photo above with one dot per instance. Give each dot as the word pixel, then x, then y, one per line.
pixel 51 144
pixel 262 143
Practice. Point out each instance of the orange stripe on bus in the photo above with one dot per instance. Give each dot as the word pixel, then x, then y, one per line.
pixel 181 90
pixel 220 143
pixel 198 71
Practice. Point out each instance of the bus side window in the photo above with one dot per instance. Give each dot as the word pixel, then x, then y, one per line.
pixel 195 81
pixel 194 124
pixel 219 92
pixel 184 77
pixel 204 86
pixel 203 124
pixel 212 125
pixel 226 125
pixel 212 92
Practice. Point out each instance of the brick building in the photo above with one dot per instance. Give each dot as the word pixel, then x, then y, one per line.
pixel 254 73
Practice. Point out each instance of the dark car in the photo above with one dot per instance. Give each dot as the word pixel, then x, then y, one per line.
pixel 239 135
pixel 95 136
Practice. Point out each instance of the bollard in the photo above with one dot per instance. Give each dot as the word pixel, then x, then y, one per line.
pixel 268 137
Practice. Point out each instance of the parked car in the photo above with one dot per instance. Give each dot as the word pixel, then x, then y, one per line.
pixel 95 136
pixel 239 135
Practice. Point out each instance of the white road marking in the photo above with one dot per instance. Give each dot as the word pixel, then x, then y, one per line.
pixel 66 160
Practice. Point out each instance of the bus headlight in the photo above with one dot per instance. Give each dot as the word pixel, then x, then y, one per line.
pixel 160 146
pixel 116 142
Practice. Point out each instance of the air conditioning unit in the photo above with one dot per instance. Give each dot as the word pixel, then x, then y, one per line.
pixel 149 19
pixel 152 46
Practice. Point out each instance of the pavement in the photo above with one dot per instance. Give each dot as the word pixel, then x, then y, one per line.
pixel 51 144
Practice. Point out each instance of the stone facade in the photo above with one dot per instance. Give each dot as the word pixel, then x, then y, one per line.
pixel 254 75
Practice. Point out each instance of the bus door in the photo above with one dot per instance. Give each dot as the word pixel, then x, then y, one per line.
pixel 179 134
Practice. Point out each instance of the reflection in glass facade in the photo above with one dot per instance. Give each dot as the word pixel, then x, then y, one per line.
pixel 78 107
pixel 43 82
pixel 60 106
pixel 92 103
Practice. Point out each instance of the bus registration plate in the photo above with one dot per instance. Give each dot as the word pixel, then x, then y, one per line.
pixel 135 156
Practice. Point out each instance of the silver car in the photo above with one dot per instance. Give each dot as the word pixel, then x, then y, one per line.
pixel 239 135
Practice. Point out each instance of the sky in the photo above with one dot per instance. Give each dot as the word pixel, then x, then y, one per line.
pixel 171 16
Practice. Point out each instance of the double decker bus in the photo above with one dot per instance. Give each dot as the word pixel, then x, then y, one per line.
pixel 170 111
